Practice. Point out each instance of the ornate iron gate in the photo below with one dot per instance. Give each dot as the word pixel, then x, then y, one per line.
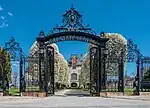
pixel 96 70
pixel 134 56
pixel 12 53
pixel 31 68
pixel 71 29
pixel 145 74
pixel 114 72
pixel 49 71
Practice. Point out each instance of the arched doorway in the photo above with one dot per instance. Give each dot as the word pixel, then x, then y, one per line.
pixel 72 29
pixel 73 84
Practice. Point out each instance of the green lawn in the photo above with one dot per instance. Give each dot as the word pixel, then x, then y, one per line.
pixel 128 90
pixel 14 91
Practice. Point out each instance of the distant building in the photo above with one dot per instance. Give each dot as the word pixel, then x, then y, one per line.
pixel 74 65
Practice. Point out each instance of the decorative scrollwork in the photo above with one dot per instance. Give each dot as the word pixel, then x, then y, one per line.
pixel 145 59
pixel 133 52
pixel 70 37
pixel 12 44
pixel 72 21
pixel 12 47
pixel 16 54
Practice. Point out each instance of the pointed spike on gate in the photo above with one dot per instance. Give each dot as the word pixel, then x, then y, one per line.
pixel 71 5
pixel 102 33
pixel 12 38
pixel 41 34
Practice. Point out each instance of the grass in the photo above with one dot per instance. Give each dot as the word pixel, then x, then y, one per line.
pixel 32 88
pixel 14 91
pixel 128 90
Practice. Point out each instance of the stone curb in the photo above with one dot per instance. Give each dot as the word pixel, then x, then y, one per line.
pixel 141 99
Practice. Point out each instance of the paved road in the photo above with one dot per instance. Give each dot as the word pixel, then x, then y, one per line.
pixel 73 99
pixel 77 92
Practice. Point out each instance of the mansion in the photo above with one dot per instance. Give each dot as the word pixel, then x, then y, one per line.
pixel 74 65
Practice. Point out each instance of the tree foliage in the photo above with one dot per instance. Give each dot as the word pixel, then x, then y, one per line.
pixel 115 45
pixel 60 65
pixel 5 62
pixel 147 75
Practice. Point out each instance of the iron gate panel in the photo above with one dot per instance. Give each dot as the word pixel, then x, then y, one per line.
pixel 12 52
pixel 94 71
pixel 49 73
pixel 134 56
pixel 31 80
pixel 145 74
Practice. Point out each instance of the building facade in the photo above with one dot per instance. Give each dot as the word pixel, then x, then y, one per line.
pixel 74 65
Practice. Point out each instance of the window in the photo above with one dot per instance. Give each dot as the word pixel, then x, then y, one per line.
pixel 73 76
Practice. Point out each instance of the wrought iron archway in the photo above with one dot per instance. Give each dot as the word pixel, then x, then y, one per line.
pixel 72 29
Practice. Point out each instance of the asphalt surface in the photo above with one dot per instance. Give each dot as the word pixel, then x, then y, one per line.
pixel 78 93
pixel 72 99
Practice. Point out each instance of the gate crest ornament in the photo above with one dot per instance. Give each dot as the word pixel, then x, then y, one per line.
pixel 72 21
pixel 72 18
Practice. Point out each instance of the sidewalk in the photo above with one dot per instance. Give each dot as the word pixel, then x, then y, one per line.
pixel 15 98
pixel 143 98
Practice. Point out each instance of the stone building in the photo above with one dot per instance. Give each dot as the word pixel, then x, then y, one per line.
pixel 74 65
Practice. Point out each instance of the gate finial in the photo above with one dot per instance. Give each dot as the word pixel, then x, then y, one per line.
pixel 41 34
pixel 71 5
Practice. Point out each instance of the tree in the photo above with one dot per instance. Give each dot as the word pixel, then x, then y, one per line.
pixel 115 45
pixel 8 68
pixel 147 75
pixel 60 64
pixel 7 64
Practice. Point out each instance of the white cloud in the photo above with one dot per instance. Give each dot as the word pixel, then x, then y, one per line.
pixel 2 17
pixel 9 13
pixel 2 25
pixel 6 25
pixel 1 8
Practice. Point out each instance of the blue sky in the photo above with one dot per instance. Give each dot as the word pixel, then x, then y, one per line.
pixel 131 18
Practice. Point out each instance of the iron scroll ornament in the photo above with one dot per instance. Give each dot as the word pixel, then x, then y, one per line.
pixel 71 29
pixel 73 35
pixel 72 21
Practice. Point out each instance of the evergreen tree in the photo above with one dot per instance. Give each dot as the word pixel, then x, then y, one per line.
pixel 5 61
